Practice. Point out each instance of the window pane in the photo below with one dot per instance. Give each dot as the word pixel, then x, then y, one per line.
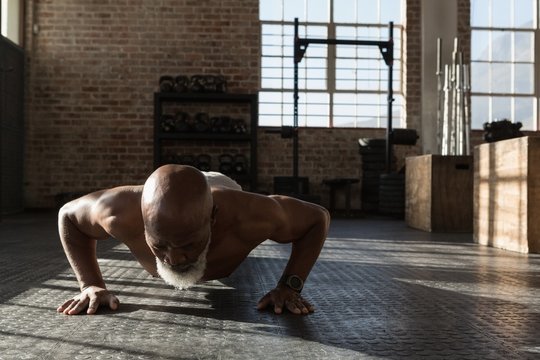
pixel 480 77
pixel 390 11
pixel 523 78
pixel 501 46
pixel 368 12
pixel 480 13
pixel 502 108
pixel 501 75
pixel 524 11
pixel 270 10
pixel 343 51
pixel 317 51
pixel 479 111
pixel 525 113
pixel 294 9
pixel 344 11
pixel 501 12
pixel 272 62
pixel 271 78
pixel 313 109
pixel 317 11
pixel 523 48
pixel 479 45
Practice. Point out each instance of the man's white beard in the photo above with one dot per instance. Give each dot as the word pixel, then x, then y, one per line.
pixel 185 279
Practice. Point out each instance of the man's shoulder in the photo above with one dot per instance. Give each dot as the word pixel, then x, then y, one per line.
pixel 121 202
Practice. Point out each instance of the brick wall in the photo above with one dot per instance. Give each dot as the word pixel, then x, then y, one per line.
pixel 94 65
pixel 412 86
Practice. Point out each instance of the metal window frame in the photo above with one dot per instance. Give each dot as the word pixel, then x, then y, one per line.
pixel 536 64
pixel 331 63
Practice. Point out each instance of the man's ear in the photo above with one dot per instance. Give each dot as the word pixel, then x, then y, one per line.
pixel 214 212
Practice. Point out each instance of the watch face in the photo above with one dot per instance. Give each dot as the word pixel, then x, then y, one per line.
pixel 295 282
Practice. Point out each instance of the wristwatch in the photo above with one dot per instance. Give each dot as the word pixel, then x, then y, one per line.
pixel 294 282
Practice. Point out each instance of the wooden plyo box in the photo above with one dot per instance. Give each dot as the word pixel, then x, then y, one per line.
pixel 439 193
pixel 507 194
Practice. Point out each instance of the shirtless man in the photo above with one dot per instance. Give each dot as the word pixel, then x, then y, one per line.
pixel 184 230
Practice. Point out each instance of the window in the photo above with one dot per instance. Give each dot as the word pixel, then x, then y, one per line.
pixel 503 69
pixel 341 85
pixel 10 21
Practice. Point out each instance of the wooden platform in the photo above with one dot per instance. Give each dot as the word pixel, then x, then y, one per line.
pixel 439 193
pixel 507 194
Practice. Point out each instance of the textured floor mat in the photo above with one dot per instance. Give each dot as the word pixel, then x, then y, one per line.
pixel 381 291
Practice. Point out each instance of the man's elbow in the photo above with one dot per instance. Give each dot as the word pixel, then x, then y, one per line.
pixel 323 219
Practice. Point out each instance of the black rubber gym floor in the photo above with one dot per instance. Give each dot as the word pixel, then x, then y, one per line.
pixel 382 291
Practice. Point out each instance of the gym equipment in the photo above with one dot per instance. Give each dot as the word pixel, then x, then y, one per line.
pixel 208 84
pixel 202 122
pixel 240 164
pixel 239 126
pixel 373 154
pixel 167 123
pixel 453 114
pixel 181 122
pixel 340 184
pixel 404 136
pixel 197 83
pixel 221 84
pixel 181 84
pixel 387 51
pixel 166 83
pixel 501 130
pixel 392 194
pixel 226 164
pixel 203 162
pixel 221 124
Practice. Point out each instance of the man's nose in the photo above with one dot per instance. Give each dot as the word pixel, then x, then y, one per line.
pixel 175 258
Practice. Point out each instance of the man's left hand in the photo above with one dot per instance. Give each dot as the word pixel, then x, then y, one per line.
pixel 283 297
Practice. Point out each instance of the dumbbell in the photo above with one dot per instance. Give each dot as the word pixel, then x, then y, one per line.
pixel 203 162
pixel 226 164
pixel 166 83
pixel 221 124
pixel 181 122
pixel 197 83
pixel 210 84
pixel 239 126
pixel 167 123
pixel 221 84
pixel 181 84
pixel 240 164
pixel 201 123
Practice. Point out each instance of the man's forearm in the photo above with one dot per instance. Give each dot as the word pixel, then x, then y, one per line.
pixel 306 250
pixel 80 251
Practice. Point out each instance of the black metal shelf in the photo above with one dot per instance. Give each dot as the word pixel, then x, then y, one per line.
pixel 204 136
pixel 204 97
pixel 186 98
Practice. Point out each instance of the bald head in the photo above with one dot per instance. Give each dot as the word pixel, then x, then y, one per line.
pixel 175 199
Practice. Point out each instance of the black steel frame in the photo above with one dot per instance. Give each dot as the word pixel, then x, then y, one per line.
pixel 387 51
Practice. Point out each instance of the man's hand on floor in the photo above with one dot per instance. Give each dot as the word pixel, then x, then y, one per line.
pixel 90 298
pixel 283 297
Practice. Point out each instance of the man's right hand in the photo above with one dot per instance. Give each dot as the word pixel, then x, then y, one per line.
pixel 90 298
